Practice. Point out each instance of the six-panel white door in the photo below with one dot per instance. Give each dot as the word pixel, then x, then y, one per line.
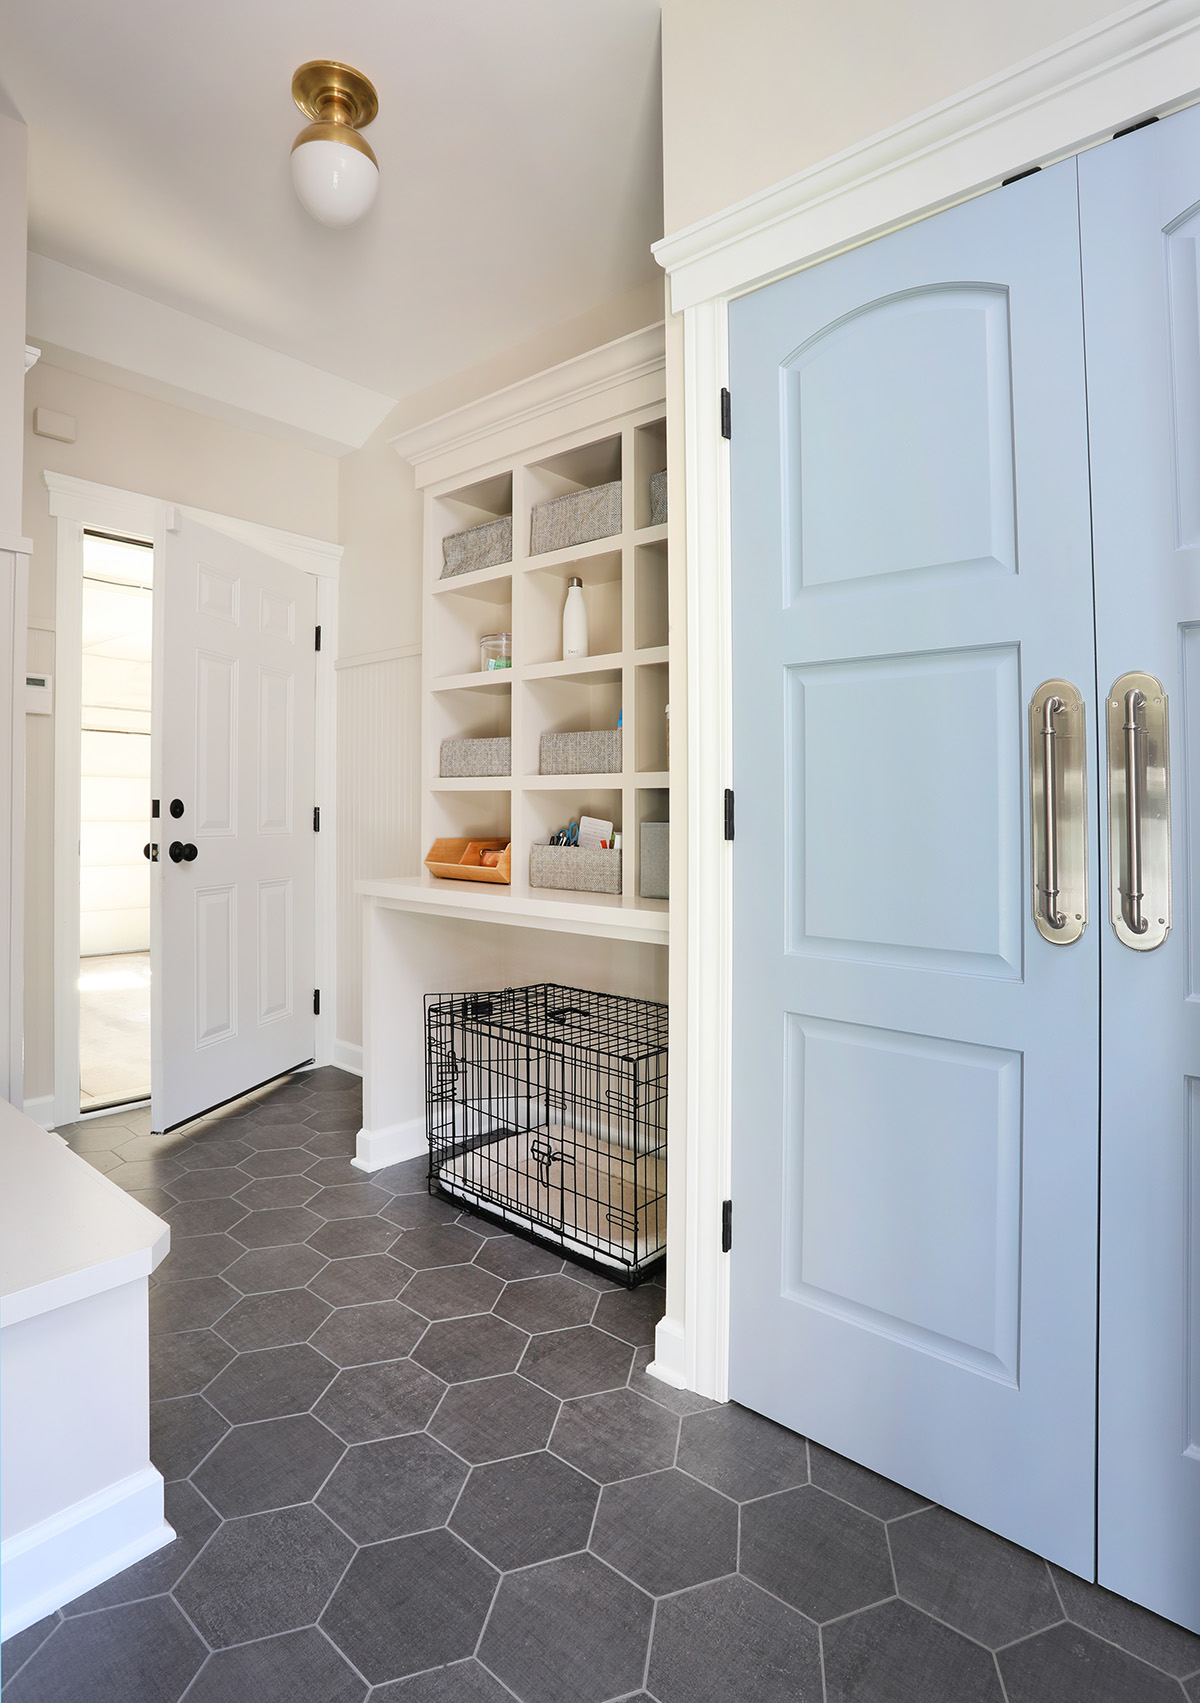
pixel 233 908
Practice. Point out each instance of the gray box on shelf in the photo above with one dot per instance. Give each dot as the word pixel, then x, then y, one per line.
pixel 577 518
pixel 658 499
pixel 655 861
pixel 582 753
pixel 462 758
pixel 575 869
pixel 485 546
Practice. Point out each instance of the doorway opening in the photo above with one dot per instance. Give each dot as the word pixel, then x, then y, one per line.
pixel 114 821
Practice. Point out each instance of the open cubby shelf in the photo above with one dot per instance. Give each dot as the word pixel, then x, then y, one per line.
pixel 625 580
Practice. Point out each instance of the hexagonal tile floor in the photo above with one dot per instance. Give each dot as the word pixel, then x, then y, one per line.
pixel 413 1460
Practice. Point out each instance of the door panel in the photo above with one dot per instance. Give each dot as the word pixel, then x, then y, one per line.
pixel 915 1068
pixel 1138 201
pixel 235 942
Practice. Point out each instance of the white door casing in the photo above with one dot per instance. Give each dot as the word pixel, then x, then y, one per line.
pixel 233 933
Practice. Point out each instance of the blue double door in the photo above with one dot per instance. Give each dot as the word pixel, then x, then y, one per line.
pixel 966 1166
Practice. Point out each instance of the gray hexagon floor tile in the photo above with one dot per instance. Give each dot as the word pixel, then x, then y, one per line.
pixel 615 1435
pixel 183 1363
pixel 393 1488
pixel 181 1433
pixel 1159 1642
pixel 1068 1665
pixel 328 1173
pixel 190 1306
pixel 631 1314
pixel 368 1277
pixel 819 1554
pixel 538 1304
pixel 577 1362
pixel 741 1454
pixel 453 1291
pixel 273 1320
pixel 349 1200
pixel 493 1418
pixel 509 1257
pixel 276 1226
pixel 266 1192
pixel 213 1153
pixel 410 1176
pixel 569 1631
pixel 278 1162
pixel 269 1383
pixel 204 1217
pixel 731 1641
pixel 346 1238
pixel 460 1682
pixel 263 1574
pixel 198 1256
pixel 18 1647
pixel 874 1657
pixel 274 1268
pixel 294 1667
pixel 273 1463
pixel 854 1483
pixel 972 1579
pixel 216 1184
pixel 521 1511
pixel 676 1401
pixel 478 1347
pixel 412 1211
pixel 378 1330
pixel 438 1244
pixel 145 1650
pixel 666 1532
pixel 368 1402
pixel 413 1603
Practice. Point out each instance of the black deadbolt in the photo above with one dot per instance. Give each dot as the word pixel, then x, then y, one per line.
pixel 177 807
pixel 150 851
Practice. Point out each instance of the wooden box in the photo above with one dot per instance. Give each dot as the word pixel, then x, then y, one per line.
pixel 460 860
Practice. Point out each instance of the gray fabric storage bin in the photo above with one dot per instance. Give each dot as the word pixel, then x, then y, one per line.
pixel 463 757
pixel 582 753
pixel 576 519
pixel 483 546
pixel 575 869
pixel 655 861
pixel 658 499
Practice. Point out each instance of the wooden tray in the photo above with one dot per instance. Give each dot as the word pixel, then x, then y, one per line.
pixel 459 860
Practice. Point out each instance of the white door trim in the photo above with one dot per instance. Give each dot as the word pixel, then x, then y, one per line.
pixel 1145 59
pixel 74 504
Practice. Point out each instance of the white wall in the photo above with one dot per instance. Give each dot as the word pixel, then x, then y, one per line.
pixel 757 91
pixel 153 447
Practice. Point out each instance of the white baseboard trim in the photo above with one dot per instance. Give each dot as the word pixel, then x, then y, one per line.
pixel 41 1110
pixel 668 1363
pixel 378 1148
pixel 347 1055
pixel 77 1549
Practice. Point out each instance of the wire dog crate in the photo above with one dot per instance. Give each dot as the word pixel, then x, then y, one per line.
pixel 547 1110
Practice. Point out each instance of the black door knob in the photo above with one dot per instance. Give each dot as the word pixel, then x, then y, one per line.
pixel 176 807
pixel 189 854
pixel 179 853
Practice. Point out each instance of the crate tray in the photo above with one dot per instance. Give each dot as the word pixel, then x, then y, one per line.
pixel 459 860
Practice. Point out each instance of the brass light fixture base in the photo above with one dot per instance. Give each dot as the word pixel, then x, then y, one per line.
pixel 339 100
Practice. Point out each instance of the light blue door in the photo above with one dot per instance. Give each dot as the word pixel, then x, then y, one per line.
pixel 1140 221
pixel 915 1088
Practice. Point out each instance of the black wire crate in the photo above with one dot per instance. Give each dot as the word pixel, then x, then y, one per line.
pixel 546 1109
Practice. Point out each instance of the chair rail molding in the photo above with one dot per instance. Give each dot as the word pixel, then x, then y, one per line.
pixel 1142 60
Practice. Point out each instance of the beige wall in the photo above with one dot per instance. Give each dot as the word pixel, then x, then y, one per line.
pixel 159 450
pixel 758 90
pixel 12 321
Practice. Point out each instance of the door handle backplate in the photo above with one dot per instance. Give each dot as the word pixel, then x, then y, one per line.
pixel 1139 811
pixel 1058 811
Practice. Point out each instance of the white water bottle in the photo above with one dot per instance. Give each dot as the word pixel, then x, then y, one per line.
pixel 575 622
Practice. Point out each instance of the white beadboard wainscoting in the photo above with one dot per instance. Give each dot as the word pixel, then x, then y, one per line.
pixel 379 807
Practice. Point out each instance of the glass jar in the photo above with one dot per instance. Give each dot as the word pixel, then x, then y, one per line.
pixel 495 651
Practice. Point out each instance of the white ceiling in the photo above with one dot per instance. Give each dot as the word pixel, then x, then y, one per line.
pixel 519 147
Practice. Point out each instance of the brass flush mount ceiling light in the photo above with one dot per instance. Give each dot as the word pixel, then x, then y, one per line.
pixel 334 171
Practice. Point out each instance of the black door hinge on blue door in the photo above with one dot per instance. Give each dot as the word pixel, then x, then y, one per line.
pixel 316 1002
pixel 726 414
pixel 316 818
pixel 317 646
pixel 728 812
pixel 726 1226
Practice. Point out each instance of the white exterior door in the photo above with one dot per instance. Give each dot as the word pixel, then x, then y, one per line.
pixel 233 919
pixel 1140 218
pixel 915 1066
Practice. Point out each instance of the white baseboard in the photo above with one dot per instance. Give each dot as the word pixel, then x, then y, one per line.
pixel 41 1110
pixel 55 1561
pixel 347 1055
pixel 668 1363
pixel 388 1146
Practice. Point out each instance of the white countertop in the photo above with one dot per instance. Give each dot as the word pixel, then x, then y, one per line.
pixel 65 1231
pixel 610 915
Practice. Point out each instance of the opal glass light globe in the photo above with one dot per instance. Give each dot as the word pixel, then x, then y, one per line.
pixel 336 182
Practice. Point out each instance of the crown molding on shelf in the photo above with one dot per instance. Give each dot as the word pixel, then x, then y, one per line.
pixel 1142 60
pixel 601 384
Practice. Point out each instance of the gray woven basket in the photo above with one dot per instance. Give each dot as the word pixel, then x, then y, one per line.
pixel 658 499
pixel 654 879
pixel 465 757
pixel 577 518
pixel 575 869
pixel 582 753
pixel 483 546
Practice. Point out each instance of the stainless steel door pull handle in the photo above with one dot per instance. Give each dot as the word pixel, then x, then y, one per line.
pixel 1050 910
pixel 1058 811
pixel 1139 811
pixel 1132 895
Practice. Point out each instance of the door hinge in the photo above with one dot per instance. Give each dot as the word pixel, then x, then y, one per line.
pixel 726 414
pixel 1130 128
pixel 728 812
pixel 316 1002
pixel 1018 176
pixel 726 1226
pixel 316 818
pixel 317 646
